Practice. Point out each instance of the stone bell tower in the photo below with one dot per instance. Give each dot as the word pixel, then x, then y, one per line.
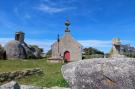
pixel 116 45
pixel 19 36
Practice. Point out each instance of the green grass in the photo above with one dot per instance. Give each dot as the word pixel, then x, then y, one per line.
pixel 51 72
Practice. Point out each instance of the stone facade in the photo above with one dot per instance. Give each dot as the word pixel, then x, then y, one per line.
pixel 67 44
pixel 116 45
pixel 19 36
pixel 119 48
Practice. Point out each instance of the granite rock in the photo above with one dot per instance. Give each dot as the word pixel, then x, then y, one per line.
pixel 116 73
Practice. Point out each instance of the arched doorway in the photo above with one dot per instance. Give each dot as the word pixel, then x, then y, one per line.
pixel 4 55
pixel 67 56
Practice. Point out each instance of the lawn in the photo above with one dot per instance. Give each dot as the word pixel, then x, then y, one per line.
pixel 51 77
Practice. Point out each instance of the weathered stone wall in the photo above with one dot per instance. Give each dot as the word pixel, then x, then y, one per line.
pixel 7 76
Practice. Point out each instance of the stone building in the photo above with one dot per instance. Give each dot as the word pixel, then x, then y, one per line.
pixel 18 49
pixel 116 45
pixel 120 49
pixel 66 48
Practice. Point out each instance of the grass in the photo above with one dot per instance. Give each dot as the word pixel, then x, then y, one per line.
pixel 51 72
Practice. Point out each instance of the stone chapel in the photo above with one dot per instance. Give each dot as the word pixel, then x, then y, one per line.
pixel 66 48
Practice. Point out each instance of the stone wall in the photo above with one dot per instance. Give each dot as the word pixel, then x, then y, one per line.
pixel 8 76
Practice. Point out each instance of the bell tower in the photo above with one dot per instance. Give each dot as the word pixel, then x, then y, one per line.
pixel 116 41
pixel 116 45
pixel 19 36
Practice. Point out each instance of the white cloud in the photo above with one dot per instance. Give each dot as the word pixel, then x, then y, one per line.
pixel 96 43
pixel 22 15
pixel 48 9
pixel 52 9
pixel 45 44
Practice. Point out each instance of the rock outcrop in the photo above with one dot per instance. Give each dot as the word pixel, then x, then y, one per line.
pixel 14 50
pixel 15 85
pixel 18 49
pixel 29 52
pixel 36 51
pixel 116 73
pixel 10 85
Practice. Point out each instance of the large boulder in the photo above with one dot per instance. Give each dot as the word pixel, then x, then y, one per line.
pixel 36 51
pixel 116 73
pixel 29 52
pixel 56 87
pixel 15 85
pixel 14 50
pixel 29 87
pixel 20 50
pixel 10 85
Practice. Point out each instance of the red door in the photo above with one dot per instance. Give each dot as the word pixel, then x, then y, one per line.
pixel 67 56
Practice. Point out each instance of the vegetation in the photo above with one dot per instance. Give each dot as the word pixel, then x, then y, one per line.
pixel 52 72
pixel 92 53
pixel 36 47
pixel 129 54
pixel 49 53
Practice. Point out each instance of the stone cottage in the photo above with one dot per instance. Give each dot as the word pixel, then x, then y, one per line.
pixel 66 48
pixel 18 49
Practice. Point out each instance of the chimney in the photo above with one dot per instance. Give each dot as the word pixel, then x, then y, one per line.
pixel 19 36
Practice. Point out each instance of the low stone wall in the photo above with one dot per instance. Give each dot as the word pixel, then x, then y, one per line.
pixel 7 76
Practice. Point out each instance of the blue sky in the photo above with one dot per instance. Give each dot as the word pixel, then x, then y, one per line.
pixel 93 22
